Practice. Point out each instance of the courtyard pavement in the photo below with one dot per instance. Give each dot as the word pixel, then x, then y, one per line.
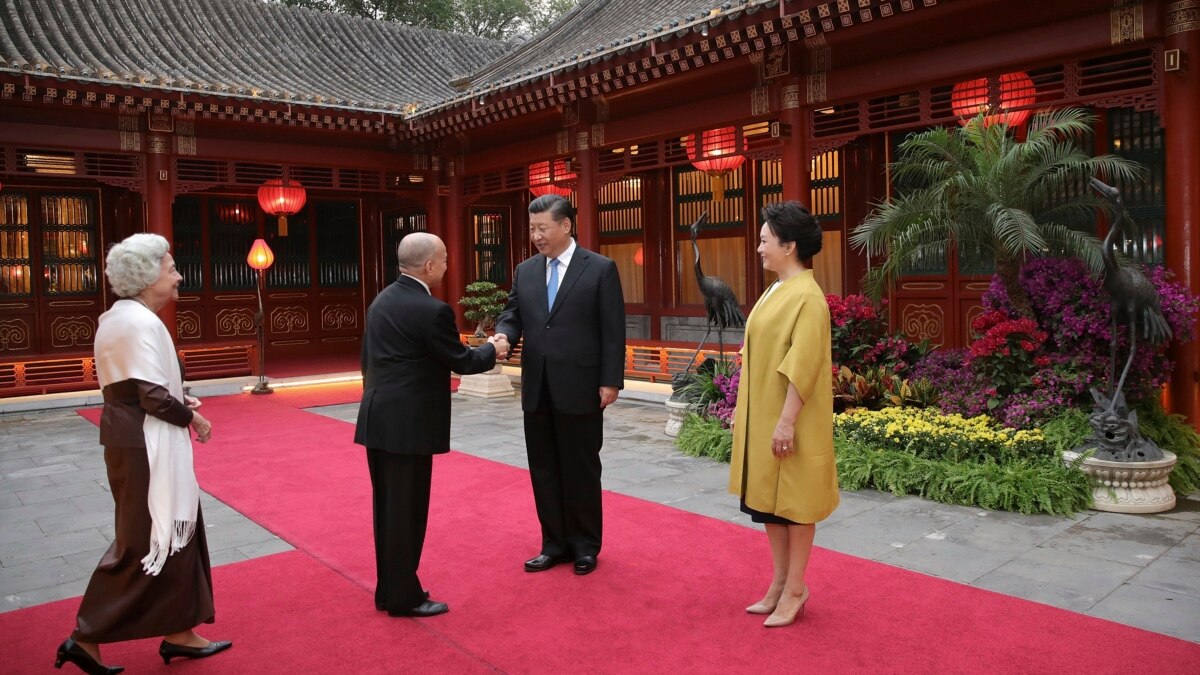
pixel 1144 571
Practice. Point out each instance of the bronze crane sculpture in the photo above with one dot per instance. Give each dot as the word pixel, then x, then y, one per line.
pixel 1134 299
pixel 720 304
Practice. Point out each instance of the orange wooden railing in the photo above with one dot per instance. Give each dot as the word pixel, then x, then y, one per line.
pixel 656 363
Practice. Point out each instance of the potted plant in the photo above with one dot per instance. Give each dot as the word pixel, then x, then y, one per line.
pixel 483 301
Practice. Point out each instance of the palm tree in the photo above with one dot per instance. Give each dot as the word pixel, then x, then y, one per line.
pixel 980 188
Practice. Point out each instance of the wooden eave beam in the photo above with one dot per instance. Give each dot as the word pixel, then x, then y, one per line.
pixel 1042 43
pixel 101 96
pixel 465 113
pixel 70 138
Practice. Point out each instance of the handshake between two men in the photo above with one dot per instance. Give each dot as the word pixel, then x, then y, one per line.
pixel 503 348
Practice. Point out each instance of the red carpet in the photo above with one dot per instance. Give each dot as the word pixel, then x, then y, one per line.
pixel 285 613
pixel 669 593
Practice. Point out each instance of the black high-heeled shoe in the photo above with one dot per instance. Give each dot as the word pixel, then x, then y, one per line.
pixel 70 650
pixel 169 651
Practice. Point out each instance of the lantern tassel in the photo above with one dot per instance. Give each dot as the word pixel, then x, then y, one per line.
pixel 283 226
pixel 718 187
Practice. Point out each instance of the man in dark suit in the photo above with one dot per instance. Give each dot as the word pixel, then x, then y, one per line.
pixel 566 302
pixel 409 348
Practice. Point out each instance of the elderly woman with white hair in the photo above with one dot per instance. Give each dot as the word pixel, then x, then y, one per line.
pixel 155 577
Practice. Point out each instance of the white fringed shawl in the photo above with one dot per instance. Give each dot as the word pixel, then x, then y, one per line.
pixel 133 343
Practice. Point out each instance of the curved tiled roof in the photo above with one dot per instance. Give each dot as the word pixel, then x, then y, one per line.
pixel 600 27
pixel 244 48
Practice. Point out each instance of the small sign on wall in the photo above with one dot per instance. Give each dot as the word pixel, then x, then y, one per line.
pixel 160 120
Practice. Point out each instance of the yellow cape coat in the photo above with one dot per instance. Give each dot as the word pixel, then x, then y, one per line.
pixel 787 339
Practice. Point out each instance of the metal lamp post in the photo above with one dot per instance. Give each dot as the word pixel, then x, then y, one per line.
pixel 260 258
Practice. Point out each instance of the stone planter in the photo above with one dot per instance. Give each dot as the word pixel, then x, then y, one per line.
pixel 1129 487
pixel 676 413
pixel 492 384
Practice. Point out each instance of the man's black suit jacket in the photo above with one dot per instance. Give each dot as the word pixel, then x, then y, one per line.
pixel 409 348
pixel 579 344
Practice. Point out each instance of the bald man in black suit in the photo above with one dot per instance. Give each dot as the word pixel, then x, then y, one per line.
pixel 409 347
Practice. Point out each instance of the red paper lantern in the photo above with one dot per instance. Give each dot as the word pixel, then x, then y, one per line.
pixel 281 198
pixel 260 256
pixel 544 182
pixel 717 155
pixel 970 98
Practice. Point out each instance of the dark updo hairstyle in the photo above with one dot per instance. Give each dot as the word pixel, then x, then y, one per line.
pixel 791 222
pixel 557 205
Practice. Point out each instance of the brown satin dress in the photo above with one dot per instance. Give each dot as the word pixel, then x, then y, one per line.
pixel 122 602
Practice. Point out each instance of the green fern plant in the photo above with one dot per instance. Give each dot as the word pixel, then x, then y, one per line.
pixel 704 437
pixel 1172 432
pixel 1030 485
pixel 1067 431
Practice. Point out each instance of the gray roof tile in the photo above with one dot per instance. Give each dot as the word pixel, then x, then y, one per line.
pixel 241 48
pixel 596 26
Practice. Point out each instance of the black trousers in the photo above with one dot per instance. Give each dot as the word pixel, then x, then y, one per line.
pixel 400 500
pixel 564 467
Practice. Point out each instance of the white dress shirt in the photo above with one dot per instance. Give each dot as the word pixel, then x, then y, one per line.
pixel 418 281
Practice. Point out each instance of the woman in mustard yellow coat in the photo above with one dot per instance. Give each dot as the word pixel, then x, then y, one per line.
pixel 783 465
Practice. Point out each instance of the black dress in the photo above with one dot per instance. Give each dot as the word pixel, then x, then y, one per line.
pixel 122 602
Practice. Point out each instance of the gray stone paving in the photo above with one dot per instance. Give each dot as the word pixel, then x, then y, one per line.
pixel 1144 571
pixel 56 513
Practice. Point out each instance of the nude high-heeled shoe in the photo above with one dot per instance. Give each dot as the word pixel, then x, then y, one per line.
pixel 766 605
pixel 776 620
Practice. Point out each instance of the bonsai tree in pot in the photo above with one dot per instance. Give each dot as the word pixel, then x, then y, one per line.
pixel 483 301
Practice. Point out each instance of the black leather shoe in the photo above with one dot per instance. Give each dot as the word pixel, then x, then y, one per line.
pixel 543 562
pixel 169 651
pixel 382 608
pixel 70 650
pixel 585 564
pixel 427 608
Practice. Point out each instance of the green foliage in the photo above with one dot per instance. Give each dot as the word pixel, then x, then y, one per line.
pixel 1173 433
pixel 1067 431
pixel 1032 484
pixel 930 434
pixel 981 189
pixel 492 19
pixel 544 13
pixel 1070 429
pixel 704 437
pixel 484 301
pixel 915 393
pixel 879 387
pixel 1041 485
pixel 700 390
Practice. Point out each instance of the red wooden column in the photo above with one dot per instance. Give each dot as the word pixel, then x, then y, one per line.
pixel 160 193
pixel 1183 192
pixel 797 160
pixel 371 238
pixel 454 233
pixel 433 217
pixel 587 225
